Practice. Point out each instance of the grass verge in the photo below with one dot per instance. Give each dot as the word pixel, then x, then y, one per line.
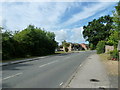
pixel 110 65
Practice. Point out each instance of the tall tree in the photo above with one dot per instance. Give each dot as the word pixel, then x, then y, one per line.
pixel 115 35
pixel 116 17
pixel 98 30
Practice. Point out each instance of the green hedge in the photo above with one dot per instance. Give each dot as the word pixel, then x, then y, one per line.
pixel 100 47
pixel 31 41
pixel 114 54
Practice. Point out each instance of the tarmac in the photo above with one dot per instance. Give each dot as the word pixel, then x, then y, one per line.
pixel 91 74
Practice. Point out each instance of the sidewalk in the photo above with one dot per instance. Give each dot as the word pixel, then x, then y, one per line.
pixel 91 74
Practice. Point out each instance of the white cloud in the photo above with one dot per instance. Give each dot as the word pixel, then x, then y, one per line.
pixel 70 35
pixel 77 35
pixel 41 14
pixel 87 12
pixel 47 15
pixel 0 14
pixel 58 0
pixel 61 35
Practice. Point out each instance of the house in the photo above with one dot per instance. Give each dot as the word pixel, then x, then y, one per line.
pixel 74 47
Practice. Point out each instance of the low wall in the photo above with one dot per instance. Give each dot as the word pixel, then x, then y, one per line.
pixel 108 48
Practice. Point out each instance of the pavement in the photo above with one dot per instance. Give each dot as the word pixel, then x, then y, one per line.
pixel 47 72
pixel 91 74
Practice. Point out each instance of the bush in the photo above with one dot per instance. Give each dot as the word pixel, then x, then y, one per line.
pixel 100 47
pixel 92 47
pixel 114 54
pixel 66 49
pixel 31 41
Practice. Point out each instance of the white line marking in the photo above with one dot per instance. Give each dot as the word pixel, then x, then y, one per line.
pixel 48 64
pixel 61 83
pixel 12 76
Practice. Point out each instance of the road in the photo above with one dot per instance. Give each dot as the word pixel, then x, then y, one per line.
pixel 49 72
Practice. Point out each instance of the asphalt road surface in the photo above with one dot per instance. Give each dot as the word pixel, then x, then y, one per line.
pixel 48 72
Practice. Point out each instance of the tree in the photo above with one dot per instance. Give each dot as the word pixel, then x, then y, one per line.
pixel 98 30
pixel 115 35
pixel 8 49
pixel 100 47
pixel 116 17
pixel 113 39
pixel 65 45
pixel 36 41
pixel 31 41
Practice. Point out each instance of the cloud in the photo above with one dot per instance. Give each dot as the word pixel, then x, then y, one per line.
pixel 41 14
pixel 87 12
pixel 70 35
pixel 1 14
pixel 61 35
pixel 48 15
pixel 59 0
pixel 77 35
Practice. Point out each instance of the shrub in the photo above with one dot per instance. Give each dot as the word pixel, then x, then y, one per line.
pixel 66 49
pixel 100 47
pixel 92 47
pixel 114 54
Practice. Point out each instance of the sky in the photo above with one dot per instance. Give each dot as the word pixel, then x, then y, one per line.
pixel 65 19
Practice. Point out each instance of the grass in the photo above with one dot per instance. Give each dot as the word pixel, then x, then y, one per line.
pixel 59 52
pixel 111 66
pixel 104 56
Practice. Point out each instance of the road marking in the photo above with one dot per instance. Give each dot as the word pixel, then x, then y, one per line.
pixel 61 83
pixel 48 64
pixel 12 76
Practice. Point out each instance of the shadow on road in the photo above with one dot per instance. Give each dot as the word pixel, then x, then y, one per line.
pixel 15 66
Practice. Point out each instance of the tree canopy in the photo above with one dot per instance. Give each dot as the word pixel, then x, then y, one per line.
pixel 31 41
pixel 65 44
pixel 98 29
pixel 115 35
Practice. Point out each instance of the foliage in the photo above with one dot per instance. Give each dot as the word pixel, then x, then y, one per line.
pixel 116 17
pixel 98 30
pixel 7 44
pixel 113 39
pixel 66 49
pixel 114 54
pixel 92 47
pixel 115 34
pixel 31 41
pixel 65 44
pixel 100 47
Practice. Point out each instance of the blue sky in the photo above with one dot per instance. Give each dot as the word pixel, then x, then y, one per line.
pixel 65 19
